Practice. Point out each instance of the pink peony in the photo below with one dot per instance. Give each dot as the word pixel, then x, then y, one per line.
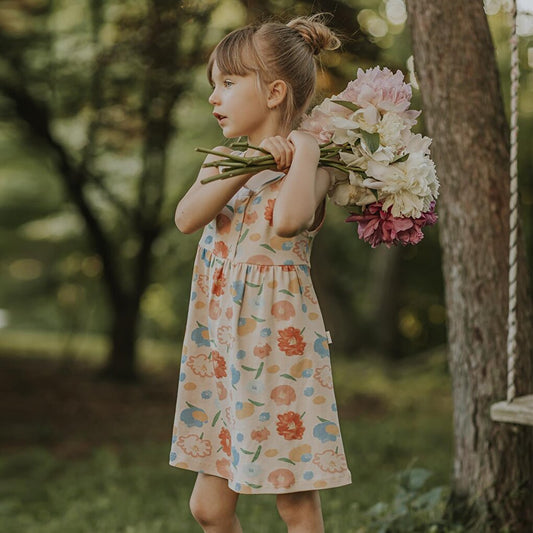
pixel 377 226
pixel 381 88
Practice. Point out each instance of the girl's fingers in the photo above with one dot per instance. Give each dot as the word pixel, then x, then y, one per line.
pixel 281 150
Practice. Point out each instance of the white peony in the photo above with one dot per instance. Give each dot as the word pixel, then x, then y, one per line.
pixel 408 187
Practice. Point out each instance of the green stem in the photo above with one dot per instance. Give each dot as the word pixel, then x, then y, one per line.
pixel 238 172
pixel 221 154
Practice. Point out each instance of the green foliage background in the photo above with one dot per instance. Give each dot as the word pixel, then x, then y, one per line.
pixel 50 277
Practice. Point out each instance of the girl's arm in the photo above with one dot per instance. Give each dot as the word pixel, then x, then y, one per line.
pixel 202 203
pixel 304 188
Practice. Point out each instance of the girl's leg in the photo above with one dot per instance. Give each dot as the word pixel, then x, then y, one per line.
pixel 301 511
pixel 213 505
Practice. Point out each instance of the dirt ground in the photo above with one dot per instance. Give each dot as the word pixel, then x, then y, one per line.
pixel 68 410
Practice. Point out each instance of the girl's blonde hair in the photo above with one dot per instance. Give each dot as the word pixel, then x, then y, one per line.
pixel 277 51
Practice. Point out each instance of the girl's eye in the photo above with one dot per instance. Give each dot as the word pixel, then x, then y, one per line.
pixel 228 83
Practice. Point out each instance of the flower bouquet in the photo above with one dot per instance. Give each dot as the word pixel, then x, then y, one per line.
pixel 380 170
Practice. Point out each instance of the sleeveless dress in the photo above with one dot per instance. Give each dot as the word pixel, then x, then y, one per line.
pixel 255 401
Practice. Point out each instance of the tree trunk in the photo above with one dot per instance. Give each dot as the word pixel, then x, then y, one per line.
pixel 463 110
pixel 123 355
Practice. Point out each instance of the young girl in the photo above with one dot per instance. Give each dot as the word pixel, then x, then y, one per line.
pixel 256 410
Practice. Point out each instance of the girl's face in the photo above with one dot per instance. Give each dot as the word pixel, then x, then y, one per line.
pixel 240 106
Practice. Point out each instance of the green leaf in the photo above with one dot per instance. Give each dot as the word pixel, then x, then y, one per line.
pixel 247 452
pixel 371 140
pixel 257 453
pixel 250 284
pixel 285 291
pixel 402 159
pixel 257 404
pixel 217 416
pixel 260 369
pixel 249 368
pixel 286 460
pixel 268 247
pixel 347 104
pixel 257 319
pixel 288 376
pixel 243 236
pixel 253 485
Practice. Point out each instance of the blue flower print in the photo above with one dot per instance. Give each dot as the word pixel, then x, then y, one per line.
pixel 307 373
pixel 321 345
pixel 235 456
pixel 264 417
pixel 287 245
pixel 326 431
pixel 257 200
pixel 209 239
pixel 266 332
pixel 308 391
pixel 206 394
pixel 193 296
pixel 200 335
pixel 173 456
pixel 252 469
pixel 308 475
pixel 235 375
pixel 241 354
pixel 237 290
pixel 193 416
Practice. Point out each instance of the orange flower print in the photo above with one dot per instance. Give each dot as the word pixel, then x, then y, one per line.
pixel 199 364
pixel 308 293
pixel 229 313
pixel 223 224
pixel 323 376
pixel 331 462
pixel 221 391
pixel 225 441
pixel 283 394
pixel 262 350
pixel 224 335
pixel 260 435
pixel 290 341
pixel 214 310
pixel 290 426
pixel 269 211
pixel 221 249
pixel 203 283
pixel 283 310
pixel 250 217
pixel 219 282
pixel 194 446
pixel 282 478
pixel 224 469
pixel 219 363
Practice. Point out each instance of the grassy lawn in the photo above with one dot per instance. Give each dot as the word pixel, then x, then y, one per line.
pixel 79 455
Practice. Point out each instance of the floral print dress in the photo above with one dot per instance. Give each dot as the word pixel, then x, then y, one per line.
pixel 255 400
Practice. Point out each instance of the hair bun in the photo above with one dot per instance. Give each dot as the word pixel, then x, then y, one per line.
pixel 315 33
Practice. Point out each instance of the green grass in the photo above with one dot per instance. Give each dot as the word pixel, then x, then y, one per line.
pixel 396 417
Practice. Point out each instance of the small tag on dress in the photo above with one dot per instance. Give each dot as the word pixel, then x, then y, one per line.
pixel 328 335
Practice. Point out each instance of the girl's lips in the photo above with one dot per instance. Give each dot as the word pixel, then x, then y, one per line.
pixel 218 116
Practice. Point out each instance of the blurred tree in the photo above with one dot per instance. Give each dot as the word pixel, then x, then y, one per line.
pixel 96 84
pixel 121 87
pixel 465 116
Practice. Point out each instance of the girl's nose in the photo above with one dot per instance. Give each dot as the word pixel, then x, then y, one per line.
pixel 213 97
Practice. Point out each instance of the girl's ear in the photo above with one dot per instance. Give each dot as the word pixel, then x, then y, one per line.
pixel 277 91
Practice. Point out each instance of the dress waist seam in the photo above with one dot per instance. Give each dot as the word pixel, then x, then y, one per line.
pixel 235 262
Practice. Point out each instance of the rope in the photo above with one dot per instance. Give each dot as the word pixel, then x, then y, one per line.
pixel 513 212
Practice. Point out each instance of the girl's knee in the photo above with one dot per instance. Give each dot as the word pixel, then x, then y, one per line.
pixel 208 513
pixel 299 506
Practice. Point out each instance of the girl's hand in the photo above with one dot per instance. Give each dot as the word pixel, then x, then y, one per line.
pixel 304 142
pixel 281 149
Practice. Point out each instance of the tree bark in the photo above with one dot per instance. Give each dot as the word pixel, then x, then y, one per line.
pixel 458 77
